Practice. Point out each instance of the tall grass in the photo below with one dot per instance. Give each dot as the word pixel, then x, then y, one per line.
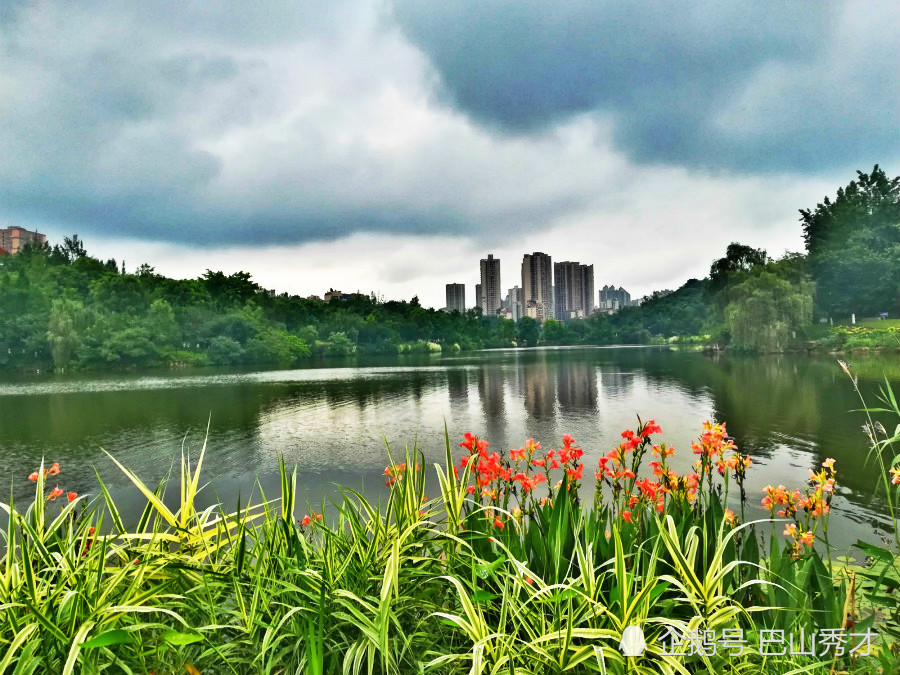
pixel 504 572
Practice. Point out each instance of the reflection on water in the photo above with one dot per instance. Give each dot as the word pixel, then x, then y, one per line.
pixel 789 413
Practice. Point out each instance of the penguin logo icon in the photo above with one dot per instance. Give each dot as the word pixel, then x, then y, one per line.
pixel 632 643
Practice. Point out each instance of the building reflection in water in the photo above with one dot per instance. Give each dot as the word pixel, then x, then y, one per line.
pixel 458 387
pixel 540 394
pixel 576 387
pixel 616 383
pixel 491 391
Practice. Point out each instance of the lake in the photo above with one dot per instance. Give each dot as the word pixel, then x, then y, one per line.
pixel 331 419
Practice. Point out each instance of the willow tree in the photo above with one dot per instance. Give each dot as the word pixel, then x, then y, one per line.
pixel 768 309
pixel 68 319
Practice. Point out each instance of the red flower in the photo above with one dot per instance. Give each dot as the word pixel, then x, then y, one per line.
pixel 469 443
pixel 650 428
pixel 72 496
pixel 33 476
pixel 54 493
pixel 576 473
pixel 306 521
pixel 53 470
pixel 88 543
pixel 626 516
pixel 498 523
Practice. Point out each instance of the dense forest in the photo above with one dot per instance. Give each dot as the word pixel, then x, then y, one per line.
pixel 63 309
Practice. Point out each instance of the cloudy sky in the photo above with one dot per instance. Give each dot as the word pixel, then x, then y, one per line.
pixel 388 145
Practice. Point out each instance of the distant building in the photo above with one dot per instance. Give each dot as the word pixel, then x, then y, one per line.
pixel 490 285
pixel 610 297
pixel 608 306
pixel 12 239
pixel 456 298
pixel 573 290
pixel 514 303
pixel 332 294
pixel 478 296
pixel 537 285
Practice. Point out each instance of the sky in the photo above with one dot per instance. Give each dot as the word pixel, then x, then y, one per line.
pixel 388 145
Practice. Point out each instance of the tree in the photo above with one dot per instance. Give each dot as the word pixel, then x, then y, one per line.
pixel 339 345
pixel 529 332
pixel 853 245
pixel 161 323
pixel 738 258
pixel 555 333
pixel 71 250
pixel 768 308
pixel 67 319
pixel 225 351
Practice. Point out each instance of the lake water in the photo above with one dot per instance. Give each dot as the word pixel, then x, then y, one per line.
pixel 331 419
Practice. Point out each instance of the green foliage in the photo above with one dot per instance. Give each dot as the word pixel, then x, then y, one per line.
pixel 338 344
pixel 766 310
pixel 224 350
pixel 528 332
pixel 853 244
pixel 68 320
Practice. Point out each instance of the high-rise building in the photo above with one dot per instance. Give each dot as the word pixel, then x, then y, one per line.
pixel 490 285
pixel 613 299
pixel 12 239
pixel 537 285
pixel 514 303
pixel 573 290
pixel 478 296
pixel 456 298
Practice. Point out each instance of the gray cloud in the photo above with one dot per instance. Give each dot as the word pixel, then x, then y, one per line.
pixel 285 122
pixel 816 82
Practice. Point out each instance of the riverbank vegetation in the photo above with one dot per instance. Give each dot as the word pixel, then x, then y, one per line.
pixel 63 309
pixel 507 567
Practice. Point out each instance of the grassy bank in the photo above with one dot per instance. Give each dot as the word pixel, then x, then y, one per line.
pixel 507 570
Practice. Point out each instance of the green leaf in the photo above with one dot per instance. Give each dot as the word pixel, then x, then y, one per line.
pixel 110 637
pixel 482 595
pixel 173 637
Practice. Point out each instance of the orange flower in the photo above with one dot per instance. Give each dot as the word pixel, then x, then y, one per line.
pixel 808 538
pixel 829 463
pixel 53 470
pixel 895 472
pixel 626 516
pixel 33 476
pixel 529 580
pixel 499 523
pixel 730 518
pixel 54 493
pixel 306 521
pixel 72 496
pixel 790 530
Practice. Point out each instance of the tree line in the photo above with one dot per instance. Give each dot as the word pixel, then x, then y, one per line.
pixel 63 309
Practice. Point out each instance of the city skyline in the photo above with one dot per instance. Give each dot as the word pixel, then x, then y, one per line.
pixel 355 144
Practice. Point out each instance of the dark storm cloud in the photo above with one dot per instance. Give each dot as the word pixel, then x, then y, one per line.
pixel 281 122
pixel 746 86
